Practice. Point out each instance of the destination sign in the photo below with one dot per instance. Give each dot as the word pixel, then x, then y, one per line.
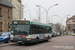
pixel 20 22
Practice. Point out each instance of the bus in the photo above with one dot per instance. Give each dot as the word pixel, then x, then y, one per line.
pixel 23 31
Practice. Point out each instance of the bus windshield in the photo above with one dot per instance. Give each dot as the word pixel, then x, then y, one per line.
pixel 20 29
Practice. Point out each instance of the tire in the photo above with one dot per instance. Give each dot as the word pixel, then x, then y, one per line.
pixel 55 35
pixel 48 39
pixel 7 41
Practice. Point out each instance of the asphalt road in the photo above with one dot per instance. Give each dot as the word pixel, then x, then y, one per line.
pixel 56 43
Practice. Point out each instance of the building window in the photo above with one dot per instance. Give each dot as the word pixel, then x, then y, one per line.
pixel 0 26
pixel 8 26
pixel 8 14
pixel 69 27
pixel 73 20
pixel 73 25
pixel 0 11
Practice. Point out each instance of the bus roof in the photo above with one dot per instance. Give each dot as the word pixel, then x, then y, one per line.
pixel 20 20
pixel 40 24
pixel 35 23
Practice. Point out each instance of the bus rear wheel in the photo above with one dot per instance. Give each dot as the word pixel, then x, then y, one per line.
pixel 7 41
pixel 48 39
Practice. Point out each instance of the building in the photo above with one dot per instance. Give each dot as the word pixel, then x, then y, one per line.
pixel 18 10
pixel 70 25
pixel 53 26
pixel 5 15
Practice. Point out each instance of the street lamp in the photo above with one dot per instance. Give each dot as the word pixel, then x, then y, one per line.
pixel 62 21
pixel 62 18
pixel 46 10
pixel 52 18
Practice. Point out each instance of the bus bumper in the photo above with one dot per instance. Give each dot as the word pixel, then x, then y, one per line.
pixel 24 40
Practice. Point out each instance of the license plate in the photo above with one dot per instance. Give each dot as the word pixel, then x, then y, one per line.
pixel 20 41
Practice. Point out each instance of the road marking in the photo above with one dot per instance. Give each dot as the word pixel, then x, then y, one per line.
pixel 37 47
pixel 30 49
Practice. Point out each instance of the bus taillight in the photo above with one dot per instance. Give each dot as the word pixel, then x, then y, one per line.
pixel 23 35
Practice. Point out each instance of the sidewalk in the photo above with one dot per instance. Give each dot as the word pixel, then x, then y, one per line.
pixel 5 44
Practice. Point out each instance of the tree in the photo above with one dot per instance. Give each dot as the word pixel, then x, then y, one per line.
pixel 58 27
pixel 35 20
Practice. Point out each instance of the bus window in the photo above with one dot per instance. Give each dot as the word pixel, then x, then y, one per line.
pixel 50 30
pixel 20 29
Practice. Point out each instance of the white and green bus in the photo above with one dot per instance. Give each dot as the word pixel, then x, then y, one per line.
pixel 29 32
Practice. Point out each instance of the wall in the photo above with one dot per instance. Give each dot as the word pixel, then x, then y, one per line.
pixel 18 10
pixel 5 18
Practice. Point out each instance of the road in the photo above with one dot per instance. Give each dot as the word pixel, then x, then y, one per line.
pixel 56 43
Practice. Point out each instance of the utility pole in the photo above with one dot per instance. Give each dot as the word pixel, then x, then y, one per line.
pixel 39 15
pixel 47 10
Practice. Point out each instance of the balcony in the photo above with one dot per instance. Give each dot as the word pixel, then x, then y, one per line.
pixel 1 15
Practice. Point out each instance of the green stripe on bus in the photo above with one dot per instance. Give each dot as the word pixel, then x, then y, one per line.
pixel 40 24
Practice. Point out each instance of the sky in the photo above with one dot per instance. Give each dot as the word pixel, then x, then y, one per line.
pixel 62 10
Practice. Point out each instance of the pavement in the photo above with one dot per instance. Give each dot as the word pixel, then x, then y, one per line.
pixel 56 43
pixel 5 44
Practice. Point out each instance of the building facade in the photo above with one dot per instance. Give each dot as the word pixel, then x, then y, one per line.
pixel 5 15
pixel 18 10
pixel 70 25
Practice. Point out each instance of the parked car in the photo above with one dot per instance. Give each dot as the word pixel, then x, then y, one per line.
pixel 58 34
pixel 65 33
pixel 54 34
pixel 5 37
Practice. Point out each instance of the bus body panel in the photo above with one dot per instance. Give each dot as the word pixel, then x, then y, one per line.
pixel 38 35
pixel 32 37
pixel 23 32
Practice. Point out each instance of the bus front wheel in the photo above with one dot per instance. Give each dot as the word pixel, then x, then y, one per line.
pixel 37 41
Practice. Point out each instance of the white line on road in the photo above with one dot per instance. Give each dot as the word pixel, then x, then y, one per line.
pixel 30 49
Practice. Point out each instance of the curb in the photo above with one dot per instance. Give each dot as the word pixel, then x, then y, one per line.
pixel 2 45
